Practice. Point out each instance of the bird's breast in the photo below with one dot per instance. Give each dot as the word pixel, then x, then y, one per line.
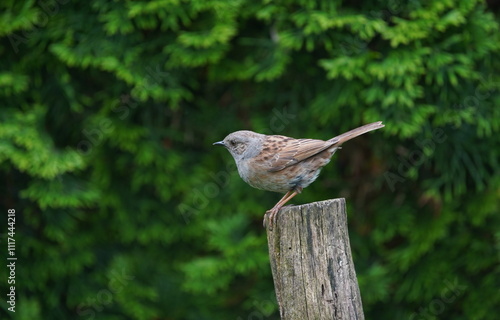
pixel 257 175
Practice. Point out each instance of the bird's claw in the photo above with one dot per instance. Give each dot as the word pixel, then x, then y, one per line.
pixel 269 218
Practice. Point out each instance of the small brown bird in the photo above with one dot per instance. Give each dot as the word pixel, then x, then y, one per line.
pixel 283 164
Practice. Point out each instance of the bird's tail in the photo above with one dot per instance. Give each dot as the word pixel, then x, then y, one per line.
pixel 357 132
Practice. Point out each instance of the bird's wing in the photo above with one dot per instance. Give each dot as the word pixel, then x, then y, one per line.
pixel 286 151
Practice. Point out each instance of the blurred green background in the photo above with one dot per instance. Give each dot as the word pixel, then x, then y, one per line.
pixel 124 210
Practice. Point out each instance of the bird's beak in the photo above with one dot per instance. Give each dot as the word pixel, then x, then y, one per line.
pixel 219 143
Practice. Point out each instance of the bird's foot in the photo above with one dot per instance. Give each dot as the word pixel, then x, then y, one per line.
pixel 270 218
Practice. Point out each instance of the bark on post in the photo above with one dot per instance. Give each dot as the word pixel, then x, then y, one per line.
pixel 312 265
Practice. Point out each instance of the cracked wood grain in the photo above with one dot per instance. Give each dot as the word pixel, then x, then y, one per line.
pixel 312 265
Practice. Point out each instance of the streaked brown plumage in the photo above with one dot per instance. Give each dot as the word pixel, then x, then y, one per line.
pixel 282 164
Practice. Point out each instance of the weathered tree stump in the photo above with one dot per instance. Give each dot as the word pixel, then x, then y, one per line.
pixel 312 265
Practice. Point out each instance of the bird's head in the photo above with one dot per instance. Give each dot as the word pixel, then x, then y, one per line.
pixel 242 144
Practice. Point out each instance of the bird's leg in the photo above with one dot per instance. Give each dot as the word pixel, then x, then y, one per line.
pixel 283 200
pixel 272 213
pixel 275 206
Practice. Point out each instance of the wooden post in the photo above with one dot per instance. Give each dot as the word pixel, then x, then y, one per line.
pixel 312 264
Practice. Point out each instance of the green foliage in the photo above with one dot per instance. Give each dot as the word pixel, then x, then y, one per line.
pixel 125 211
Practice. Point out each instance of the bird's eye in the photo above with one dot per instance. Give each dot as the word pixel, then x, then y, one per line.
pixel 232 142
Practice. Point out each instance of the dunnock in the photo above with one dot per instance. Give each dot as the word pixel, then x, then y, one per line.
pixel 283 164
